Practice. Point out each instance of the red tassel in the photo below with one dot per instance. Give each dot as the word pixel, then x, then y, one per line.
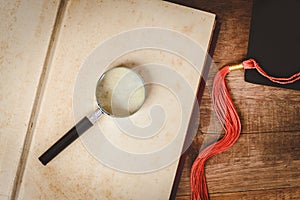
pixel 228 116
pixel 230 120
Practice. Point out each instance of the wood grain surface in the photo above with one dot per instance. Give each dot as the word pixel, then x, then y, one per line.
pixel 265 161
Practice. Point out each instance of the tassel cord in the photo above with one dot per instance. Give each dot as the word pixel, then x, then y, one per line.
pixel 252 64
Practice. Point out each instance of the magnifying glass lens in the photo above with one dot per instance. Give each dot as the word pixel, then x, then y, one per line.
pixel 120 92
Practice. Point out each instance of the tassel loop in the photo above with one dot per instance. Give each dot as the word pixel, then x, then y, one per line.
pixel 252 64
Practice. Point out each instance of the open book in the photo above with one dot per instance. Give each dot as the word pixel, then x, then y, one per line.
pixel 47 46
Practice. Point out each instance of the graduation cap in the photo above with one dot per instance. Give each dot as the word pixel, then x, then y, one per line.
pixel 274 41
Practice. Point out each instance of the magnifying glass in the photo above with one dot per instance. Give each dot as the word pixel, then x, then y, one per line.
pixel 120 92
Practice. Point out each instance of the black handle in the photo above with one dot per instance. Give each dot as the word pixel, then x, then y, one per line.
pixel 66 140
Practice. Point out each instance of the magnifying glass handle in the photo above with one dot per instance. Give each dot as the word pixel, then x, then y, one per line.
pixel 82 126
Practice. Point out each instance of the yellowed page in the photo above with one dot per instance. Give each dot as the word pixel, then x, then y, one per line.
pixel 25 30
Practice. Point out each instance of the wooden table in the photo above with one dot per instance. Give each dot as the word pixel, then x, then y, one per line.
pixel 265 161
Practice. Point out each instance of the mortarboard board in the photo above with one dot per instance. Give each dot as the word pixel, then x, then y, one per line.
pixel 274 41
